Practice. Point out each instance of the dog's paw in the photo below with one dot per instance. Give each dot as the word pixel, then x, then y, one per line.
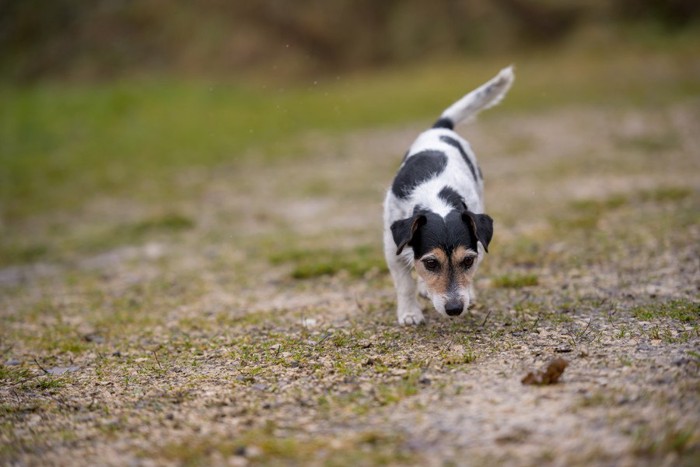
pixel 411 318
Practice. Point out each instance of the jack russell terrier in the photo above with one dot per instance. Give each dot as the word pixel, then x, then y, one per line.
pixel 434 217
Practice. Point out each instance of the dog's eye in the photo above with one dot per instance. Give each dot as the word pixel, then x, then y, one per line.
pixel 468 262
pixel 431 264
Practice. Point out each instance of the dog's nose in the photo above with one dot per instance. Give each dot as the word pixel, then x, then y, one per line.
pixel 454 307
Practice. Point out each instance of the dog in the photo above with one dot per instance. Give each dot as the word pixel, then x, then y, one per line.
pixel 434 219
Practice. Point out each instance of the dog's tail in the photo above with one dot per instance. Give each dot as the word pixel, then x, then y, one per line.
pixel 485 96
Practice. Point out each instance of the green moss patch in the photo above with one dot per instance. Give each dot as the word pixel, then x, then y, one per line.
pixel 311 263
pixel 681 310
pixel 515 281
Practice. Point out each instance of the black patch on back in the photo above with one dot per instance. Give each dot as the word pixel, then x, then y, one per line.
pixel 444 123
pixel 456 144
pixel 417 169
pixel 451 197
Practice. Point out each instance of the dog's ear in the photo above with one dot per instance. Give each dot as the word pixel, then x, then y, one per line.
pixel 481 226
pixel 404 230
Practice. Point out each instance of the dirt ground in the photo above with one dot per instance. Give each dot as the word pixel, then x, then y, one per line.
pixel 265 332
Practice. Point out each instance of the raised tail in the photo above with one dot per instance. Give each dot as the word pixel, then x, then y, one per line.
pixel 485 96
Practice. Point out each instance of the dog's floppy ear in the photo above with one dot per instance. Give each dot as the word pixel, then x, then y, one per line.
pixel 481 226
pixel 404 230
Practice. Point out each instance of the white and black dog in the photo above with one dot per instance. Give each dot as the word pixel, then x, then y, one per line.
pixel 434 212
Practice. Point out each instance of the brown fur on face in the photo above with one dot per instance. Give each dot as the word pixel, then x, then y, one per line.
pixel 438 281
pixel 451 276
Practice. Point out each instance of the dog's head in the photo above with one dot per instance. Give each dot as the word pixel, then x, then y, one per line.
pixel 447 252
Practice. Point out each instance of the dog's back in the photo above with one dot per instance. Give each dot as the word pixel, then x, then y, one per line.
pixel 440 157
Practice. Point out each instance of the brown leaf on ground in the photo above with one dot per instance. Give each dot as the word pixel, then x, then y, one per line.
pixel 551 374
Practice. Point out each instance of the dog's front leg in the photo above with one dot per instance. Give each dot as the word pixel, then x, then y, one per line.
pixel 422 288
pixel 407 309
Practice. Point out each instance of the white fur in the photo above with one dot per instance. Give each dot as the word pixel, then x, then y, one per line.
pixel 457 175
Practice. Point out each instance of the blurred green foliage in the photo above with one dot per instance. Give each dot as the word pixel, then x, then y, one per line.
pixel 101 39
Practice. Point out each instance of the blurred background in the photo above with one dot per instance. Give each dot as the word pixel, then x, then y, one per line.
pixel 107 39
pixel 114 111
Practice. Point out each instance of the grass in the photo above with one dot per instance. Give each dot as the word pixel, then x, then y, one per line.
pixel 262 447
pixel 314 262
pixel 515 281
pixel 671 440
pixel 49 384
pixel 585 214
pixel 682 310
pixel 166 223
pixel 10 374
pixel 65 243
